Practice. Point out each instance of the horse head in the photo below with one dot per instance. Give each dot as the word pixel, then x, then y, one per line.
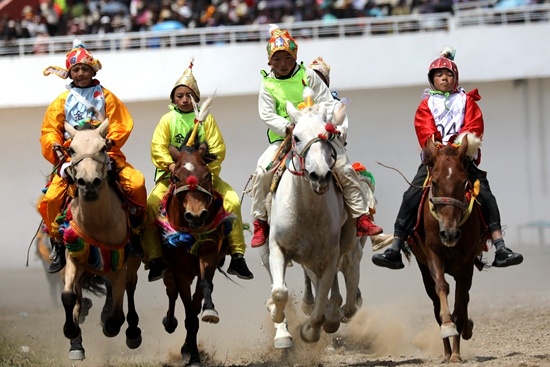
pixel 192 180
pixel 449 187
pixel 89 159
pixel 314 154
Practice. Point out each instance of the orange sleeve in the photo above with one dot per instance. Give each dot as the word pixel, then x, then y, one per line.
pixel 53 127
pixel 120 123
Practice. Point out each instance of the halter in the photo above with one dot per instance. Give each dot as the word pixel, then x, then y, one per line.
pixel 302 155
pixel 465 205
pixel 70 169
pixel 191 188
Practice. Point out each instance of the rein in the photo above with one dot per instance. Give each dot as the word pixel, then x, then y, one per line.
pixel 302 155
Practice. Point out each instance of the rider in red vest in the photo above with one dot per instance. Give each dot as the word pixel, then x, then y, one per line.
pixel 445 112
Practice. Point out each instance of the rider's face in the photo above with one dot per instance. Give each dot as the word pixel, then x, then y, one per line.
pixel 282 63
pixel 82 75
pixel 183 96
pixel 444 80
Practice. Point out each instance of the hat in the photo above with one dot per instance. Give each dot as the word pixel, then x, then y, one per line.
pixel 78 55
pixel 188 80
pixel 444 61
pixel 321 66
pixel 281 40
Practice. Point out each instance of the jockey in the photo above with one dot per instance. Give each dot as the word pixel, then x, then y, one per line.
pixel 445 112
pixel 171 129
pixel 86 101
pixel 381 240
pixel 286 82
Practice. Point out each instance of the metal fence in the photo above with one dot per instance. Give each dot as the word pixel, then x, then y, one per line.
pixel 483 14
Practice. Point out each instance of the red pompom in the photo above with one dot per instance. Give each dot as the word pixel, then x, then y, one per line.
pixel 192 182
pixel 330 128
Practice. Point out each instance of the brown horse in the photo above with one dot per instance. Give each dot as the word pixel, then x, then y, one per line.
pixel 96 235
pixel 449 239
pixel 194 227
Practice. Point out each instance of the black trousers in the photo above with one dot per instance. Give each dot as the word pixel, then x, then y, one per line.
pixel 408 212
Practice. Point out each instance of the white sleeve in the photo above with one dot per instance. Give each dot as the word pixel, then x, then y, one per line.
pixel 268 112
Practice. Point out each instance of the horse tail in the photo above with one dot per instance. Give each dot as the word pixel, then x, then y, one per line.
pixel 94 284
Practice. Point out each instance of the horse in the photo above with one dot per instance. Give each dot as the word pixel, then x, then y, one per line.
pixel 96 235
pixel 194 229
pixel 309 223
pixel 450 238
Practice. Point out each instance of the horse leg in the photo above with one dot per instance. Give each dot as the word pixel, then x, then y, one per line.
pixel 311 330
pixel 308 300
pixel 333 314
pixel 279 291
pixel 192 306
pixel 351 269
pixel 206 285
pixel 460 314
pixel 71 330
pixel 133 332
pixel 114 322
pixel 169 321
pixel 447 326
pixel 76 351
pixel 107 310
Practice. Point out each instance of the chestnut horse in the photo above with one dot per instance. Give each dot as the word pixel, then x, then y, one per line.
pixel 96 235
pixel 194 227
pixel 450 239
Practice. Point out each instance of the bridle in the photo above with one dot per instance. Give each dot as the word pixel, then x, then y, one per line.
pixel 70 170
pixel 301 156
pixel 465 205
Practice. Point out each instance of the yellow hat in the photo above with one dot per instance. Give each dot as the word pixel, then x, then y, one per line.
pixel 281 40
pixel 188 80
pixel 322 67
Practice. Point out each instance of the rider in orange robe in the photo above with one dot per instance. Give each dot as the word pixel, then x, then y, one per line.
pixel 86 101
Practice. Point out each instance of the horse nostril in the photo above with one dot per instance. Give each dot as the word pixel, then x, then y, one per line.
pixel 457 235
pixel 96 182
pixel 81 182
pixel 203 215
pixel 313 176
pixel 188 217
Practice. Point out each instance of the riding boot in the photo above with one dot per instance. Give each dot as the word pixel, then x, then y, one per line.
pixel 58 257
pixel 136 223
pixel 156 269
pixel 238 267
pixel 366 227
pixel 504 256
pixel 391 258
pixel 261 231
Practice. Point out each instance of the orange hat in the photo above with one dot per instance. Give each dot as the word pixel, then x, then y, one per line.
pixel 322 67
pixel 281 40
pixel 78 55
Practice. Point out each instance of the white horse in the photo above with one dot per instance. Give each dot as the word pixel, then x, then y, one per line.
pixel 96 235
pixel 309 223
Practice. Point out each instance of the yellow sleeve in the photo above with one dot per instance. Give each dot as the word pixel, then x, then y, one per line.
pixel 53 127
pixel 215 142
pixel 160 156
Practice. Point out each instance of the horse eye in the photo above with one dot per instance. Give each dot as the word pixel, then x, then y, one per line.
pixel 296 139
pixel 70 151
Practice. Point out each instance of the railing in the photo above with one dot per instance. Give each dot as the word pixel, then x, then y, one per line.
pixel 355 27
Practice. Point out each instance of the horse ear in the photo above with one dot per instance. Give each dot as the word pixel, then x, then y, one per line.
pixel 463 148
pixel 174 152
pixel 103 128
pixel 70 129
pixel 429 153
pixel 292 111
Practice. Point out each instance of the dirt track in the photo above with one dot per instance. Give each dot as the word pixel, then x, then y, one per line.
pixel 395 327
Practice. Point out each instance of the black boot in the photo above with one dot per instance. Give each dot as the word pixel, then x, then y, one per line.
pixel 156 269
pixel 505 257
pixel 238 267
pixel 391 258
pixel 58 260
pixel 136 224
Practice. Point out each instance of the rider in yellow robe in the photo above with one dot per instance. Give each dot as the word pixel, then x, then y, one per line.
pixel 171 130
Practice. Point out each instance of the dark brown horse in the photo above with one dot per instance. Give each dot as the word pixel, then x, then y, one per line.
pixel 449 239
pixel 194 227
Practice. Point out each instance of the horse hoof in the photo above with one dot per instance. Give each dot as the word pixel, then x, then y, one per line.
pixel 210 316
pixel 283 342
pixel 467 331
pixel 170 327
pixel 77 355
pixel 133 340
pixel 331 327
pixel 447 330
pixel 309 334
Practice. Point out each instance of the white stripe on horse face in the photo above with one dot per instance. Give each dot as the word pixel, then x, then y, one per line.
pixel 189 166
pixel 450 173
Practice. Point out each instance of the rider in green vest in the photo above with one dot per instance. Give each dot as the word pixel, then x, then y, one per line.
pixel 286 82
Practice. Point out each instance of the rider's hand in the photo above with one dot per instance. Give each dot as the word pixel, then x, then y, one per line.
pixel 171 167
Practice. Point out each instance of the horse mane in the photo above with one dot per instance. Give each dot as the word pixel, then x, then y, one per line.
pixel 85 126
pixel 197 146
